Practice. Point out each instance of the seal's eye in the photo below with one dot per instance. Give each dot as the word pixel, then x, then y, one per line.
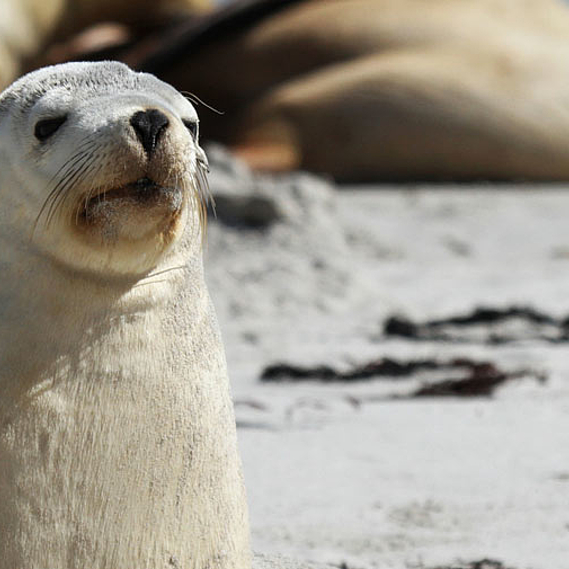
pixel 192 126
pixel 46 127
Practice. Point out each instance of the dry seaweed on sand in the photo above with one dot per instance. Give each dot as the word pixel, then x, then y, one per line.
pixel 487 325
pixel 462 377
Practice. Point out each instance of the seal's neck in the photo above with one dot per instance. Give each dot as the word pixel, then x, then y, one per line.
pixel 55 311
pixel 117 438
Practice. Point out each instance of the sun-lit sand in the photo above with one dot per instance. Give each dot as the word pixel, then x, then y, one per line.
pixel 340 472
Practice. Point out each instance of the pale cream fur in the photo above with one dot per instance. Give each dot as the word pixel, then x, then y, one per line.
pixel 117 436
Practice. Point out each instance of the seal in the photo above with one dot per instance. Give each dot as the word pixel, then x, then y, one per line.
pixel 117 434
pixel 368 90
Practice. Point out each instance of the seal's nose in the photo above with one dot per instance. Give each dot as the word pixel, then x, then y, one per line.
pixel 149 126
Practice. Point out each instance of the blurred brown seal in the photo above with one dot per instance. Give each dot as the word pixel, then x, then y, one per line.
pixel 385 89
pixel 359 89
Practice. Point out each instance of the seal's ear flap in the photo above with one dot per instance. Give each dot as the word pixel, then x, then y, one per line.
pixel 201 157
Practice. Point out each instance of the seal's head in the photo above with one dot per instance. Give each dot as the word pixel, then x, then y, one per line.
pixel 101 167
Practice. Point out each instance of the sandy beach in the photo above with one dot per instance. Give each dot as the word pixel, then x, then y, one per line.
pixel 373 472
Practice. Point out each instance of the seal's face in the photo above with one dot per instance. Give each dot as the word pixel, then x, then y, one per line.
pixel 108 163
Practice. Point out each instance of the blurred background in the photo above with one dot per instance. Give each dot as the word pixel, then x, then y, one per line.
pixel 389 258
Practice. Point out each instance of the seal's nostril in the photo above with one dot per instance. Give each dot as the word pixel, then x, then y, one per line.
pixel 149 126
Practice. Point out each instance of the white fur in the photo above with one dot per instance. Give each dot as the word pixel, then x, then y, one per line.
pixel 117 437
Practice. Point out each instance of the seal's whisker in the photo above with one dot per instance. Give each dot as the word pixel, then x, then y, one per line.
pixel 69 174
pixel 163 271
pixel 191 191
pixel 193 98
pixel 203 182
pixel 81 148
pixel 68 168
pixel 85 147
pixel 149 283
pixel 145 281
pixel 203 196
pixel 73 177
pixel 93 171
pixel 65 169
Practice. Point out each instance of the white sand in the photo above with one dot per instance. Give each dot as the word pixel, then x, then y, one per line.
pixel 406 483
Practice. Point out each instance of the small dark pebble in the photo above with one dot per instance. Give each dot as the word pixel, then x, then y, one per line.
pixel 253 212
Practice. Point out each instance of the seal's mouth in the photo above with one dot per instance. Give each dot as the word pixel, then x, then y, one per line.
pixel 143 192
